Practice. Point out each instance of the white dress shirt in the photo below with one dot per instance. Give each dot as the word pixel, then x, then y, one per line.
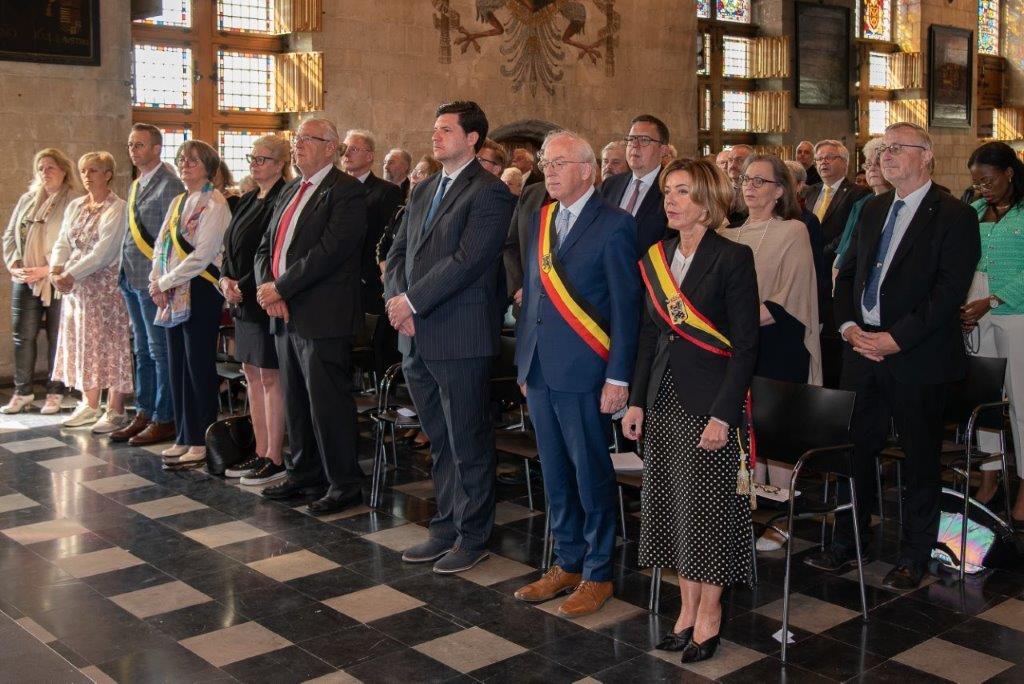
pixel 362 179
pixel 646 183
pixel 314 181
pixel 148 176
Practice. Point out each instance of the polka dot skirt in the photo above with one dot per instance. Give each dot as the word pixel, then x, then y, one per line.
pixel 693 519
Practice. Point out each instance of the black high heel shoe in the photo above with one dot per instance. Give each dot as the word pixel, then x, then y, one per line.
pixel 694 652
pixel 676 641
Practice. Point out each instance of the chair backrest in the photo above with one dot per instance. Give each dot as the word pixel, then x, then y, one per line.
pixel 792 418
pixel 983 385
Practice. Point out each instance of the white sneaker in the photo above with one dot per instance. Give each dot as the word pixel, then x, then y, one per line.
pixel 52 405
pixel 110 422
pixel 82 416
pixel 18 403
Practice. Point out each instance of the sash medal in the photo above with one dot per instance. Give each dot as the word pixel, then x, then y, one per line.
pixel 577 312
pixel 211 273
pixel 142 240
pixel 689 324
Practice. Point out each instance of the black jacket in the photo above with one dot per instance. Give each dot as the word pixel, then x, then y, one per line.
pixel 650 217
pixel 248 224
pixel 382 201
pixel 722 285
pixel 514 253
pixel 834 222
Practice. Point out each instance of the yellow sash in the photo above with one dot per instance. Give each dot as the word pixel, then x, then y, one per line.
pixel 140 238
pixel 211 273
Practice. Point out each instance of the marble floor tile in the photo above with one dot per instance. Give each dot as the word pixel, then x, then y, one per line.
pixel 399 538
pixel 470 649
pixel 424 489
pixel 44 531
pixel 59 465
pixel 117 483
pixel 36 630
pixel 505 512
pixel 613 611
pixel 97 675
pixel 1009 613
pixel 953 662
pixel 294 565
pixel 728 658
pixel 15 502
pixel 232 644
pixel 340 515
pixel 374 603
pixel 225 533
pixel 496 569
pixel 808 613
pixel 162 598
pixel 97 562
pixel 171 505
pixel 36 444
pixel 875 572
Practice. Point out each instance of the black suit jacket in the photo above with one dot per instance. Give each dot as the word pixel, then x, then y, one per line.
pixel 650 217
pixel 514 254
pixel 321 283
pixel 535 176
pixel 722 285
pixel 382 201
pixel 834 221
pixel 450 271
pixel 922 291
pixel 248 225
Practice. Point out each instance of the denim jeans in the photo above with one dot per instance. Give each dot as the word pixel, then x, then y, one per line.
pixel 27 313
pixel 152 377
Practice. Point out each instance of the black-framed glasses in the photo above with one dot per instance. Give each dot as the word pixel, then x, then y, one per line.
pixel 897 148
pixel 828 158
pixel 257 160
pixel 307 139
pixel 640 140
pixel 557 164
pixel 756 181
pixel 490 162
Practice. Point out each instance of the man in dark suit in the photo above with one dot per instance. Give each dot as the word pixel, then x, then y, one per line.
pixel 805 156
pixel 441 284
pixel 574 368
pixel 307 274
pixel 637 192
pixel 382 200
pixel 514 253
pixel 898 298
pixel 397 165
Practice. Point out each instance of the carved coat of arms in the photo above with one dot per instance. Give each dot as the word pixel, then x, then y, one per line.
pixel 535 36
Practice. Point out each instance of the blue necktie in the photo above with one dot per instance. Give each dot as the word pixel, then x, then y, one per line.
pixel 875 277
pixel 436 202
pixel 562 226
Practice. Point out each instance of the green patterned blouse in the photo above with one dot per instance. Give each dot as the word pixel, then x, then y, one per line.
pixel 1002 258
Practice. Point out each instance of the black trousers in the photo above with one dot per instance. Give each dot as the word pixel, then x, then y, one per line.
pixel 453 402
pixel 916 411
pixel 28 316
pixel 192 362
pixel 320 411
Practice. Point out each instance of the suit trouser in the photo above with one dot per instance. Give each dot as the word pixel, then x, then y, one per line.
pixel 452 399
pixel 916 410
pixel 192 364
pixel 320 412
pixel 579 480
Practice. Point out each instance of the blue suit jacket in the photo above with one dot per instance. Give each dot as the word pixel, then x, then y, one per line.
pixel 600 259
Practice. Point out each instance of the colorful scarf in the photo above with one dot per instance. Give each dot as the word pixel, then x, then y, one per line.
pixel 169 255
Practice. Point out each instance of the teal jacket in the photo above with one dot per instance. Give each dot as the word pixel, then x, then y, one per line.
pixel 851 222
pixel 1002 258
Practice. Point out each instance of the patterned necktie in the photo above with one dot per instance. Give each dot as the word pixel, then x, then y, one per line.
pixel 282 229
pixel 875 276
pixel 562 226
pixel 631 204
pixel 823 207
pixel 436 202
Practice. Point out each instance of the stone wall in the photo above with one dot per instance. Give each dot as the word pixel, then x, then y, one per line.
pixel 74 108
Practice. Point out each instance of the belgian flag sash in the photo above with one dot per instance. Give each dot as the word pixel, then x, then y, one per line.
pixel 211 273
pixel 581 316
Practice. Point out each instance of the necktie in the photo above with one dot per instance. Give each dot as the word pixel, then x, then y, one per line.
pixel 631 204
pixel 436 202
pixel 875 276
pixel 562 226
pixel 282 229
pixel 823 207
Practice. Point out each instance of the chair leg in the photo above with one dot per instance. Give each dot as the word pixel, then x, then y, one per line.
pixel 622 515
pixel 753 552
pixel 856 542
pixel 549 544
pixel 529 482
pixel 824 518
pixel 654 600
pixel 394 446
pixel 878 488
pixel 899 493
pixel 1006 476
pixel 967 507
pixel 789 560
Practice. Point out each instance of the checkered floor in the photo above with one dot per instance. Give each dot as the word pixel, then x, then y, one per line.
pixel 134 574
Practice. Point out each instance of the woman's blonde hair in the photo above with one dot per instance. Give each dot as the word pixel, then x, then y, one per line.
pixel 710 188
pixel 281 150
pixel 62 162
pixel 104 159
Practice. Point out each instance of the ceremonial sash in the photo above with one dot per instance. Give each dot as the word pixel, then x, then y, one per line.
pixel 583 318
pixel 211 273
pixel 142 240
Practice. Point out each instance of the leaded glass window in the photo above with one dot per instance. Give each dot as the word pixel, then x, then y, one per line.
pixel 251 16
pixel 173 13
pixel 173 137
pixel 245 81
pixel 988 27
pixel 162 76
pixel 733 10
pixel 234 145
pixel 877 20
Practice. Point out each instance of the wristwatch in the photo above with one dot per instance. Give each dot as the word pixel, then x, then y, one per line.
pixel 993 302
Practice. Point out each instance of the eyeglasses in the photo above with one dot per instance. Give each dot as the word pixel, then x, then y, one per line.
pixel 257 160
pixel 306 139
pixel 867 166
pixel 557 164
pixel 985 184
pixel 490 162
pixel 351 148
pixel 131 147
pixel 827 158
pixel 185 162
pixel 897 148
pixel 640 140
pixel 756 181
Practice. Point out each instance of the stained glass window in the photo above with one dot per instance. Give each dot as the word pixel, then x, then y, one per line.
pixel 877 19
pixel 878 69
pixel 988 27
pixel 703 9
pixel 733 10
pixel 735 110
pixel 706 122
pixel 252 16
pixel 234 145
pixel 735 57
pixel 245 81
pixel 878 116
pixel 173 137
pixel 162 76
pixel 704 57
pixel 174 13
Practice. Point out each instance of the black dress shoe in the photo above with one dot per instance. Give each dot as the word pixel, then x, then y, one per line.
pixel 694 652
pixel 331 503
pixel 903 577
pixel 676 641
pixel 291 488
pixel 832 559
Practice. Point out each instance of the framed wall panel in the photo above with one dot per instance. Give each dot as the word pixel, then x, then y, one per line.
pixel 822 56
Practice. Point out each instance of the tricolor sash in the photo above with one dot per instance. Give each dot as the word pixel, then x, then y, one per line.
pixel 581 316
pixel 211 273
pixel 142 240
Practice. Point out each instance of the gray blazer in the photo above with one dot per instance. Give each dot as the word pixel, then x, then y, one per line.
pixel 151 209
pixel 450 273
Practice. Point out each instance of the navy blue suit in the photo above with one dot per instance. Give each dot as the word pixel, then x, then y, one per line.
pixel 564 378
pixel 650 215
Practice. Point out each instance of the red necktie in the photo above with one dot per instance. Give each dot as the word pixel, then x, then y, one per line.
pixel 631 204
pixel 282 228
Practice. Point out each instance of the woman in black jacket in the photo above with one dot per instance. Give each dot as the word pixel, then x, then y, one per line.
pixel 254 346
pixel 695 359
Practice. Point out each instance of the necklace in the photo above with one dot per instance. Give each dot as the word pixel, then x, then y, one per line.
pixel 764 232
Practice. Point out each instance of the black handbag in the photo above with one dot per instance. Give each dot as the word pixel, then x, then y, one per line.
pixel 228 442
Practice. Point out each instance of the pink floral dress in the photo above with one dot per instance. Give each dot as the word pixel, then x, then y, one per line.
pixel 93 347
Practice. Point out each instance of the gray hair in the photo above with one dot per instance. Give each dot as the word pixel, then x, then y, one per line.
pixel 586 151
pixel 798 171
pixel 614 145
pixel 331 135
pixel 922 134
pixel 871 148
pixel 804 142
pixel 843 152
pixel 401 153
pixel 366 135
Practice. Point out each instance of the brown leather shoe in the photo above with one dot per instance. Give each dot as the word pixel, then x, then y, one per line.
pixel 138 424
pixel 588 598
pixel 154 434
pixel 555 582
